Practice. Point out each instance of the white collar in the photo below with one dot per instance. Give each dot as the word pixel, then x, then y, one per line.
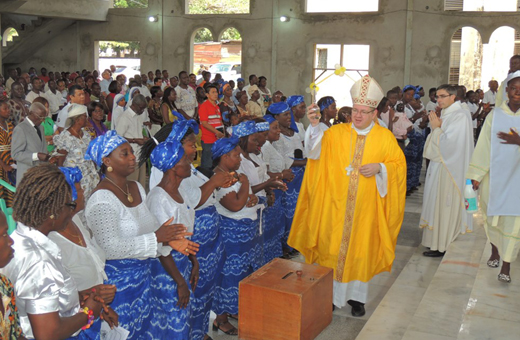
pixel 365 131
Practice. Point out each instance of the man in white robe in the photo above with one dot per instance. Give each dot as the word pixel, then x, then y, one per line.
pixel 495 171
pixel 449 148
pixel 514 65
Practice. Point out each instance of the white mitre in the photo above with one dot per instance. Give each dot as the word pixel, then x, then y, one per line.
pixel 366 91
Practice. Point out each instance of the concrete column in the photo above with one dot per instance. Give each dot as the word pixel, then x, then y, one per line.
pixel 408 43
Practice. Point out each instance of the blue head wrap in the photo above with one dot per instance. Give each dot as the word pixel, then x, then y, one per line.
pixel 261 127
pixel 241 79
pixel 223 146
pixel 278 108
pixel 417 90
pixel 294 100
pixel 167 154
pixel 244 129
pixel 269 118
pixel 409 87
pixel 102 146
pixel 180 127
pixel 326 103
pixel 281 107
pixel 73 176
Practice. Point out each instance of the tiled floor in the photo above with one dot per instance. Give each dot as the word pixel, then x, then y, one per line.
pixel 346 327
pixel 457 297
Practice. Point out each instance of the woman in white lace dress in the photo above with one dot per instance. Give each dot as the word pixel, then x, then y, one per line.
pixel 129 234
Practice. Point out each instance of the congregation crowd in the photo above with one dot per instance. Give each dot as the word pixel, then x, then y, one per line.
pixel 144 203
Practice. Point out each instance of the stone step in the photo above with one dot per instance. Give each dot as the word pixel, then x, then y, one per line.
pixel 441 310
pixel 430 294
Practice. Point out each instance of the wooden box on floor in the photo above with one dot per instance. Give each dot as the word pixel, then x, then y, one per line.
pixel 285 300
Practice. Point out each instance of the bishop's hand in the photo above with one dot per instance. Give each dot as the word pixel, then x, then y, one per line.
pixel 369 170
pixel 313 114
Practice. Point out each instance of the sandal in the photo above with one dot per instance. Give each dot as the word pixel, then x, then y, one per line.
pixel 232 316
pixel 493 263
pixel 504 278
pixel 232 331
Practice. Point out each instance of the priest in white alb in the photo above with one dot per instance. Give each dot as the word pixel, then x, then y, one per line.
pixel 351 204
pixel 449 148
pixel 495 171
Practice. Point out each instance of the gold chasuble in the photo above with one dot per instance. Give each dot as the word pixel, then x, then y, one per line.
pixel 341 220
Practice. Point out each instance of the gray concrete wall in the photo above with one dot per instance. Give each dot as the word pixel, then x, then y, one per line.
pixel 283 52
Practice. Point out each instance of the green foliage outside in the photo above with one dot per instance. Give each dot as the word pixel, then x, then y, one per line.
pixel 118 46
pixel 204 35
pixel 218 6
pixel 130 3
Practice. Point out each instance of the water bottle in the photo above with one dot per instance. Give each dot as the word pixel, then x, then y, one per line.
pixel 470 197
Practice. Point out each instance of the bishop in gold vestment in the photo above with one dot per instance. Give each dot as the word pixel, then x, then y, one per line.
pixel 351 205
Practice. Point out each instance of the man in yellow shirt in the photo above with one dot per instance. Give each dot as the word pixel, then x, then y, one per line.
pixel 351 204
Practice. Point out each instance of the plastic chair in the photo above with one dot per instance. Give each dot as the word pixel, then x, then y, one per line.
pixel 8 212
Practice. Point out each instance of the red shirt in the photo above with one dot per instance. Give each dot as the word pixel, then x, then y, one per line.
pixel 209 112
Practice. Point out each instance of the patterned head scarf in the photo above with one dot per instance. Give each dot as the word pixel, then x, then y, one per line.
pixel 73 176
pixel 262 126
pixel 417 90
pixel 292 101
pixel 409 87
pixel 244 129
pixel 270 118
pixel 277 108
pixel 103 146
pixel 167 154
pixel 223 146
pixel 326 103
pixel 281 107
pixel 180 127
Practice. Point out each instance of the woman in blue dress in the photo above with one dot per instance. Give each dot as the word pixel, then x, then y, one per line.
pixel 131 237
pixel 177 270
pixel 290 146
pixel 252 135
pixel 237 206
pixel 198 191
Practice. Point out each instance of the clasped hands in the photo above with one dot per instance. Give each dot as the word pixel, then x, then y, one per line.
pixel 175 236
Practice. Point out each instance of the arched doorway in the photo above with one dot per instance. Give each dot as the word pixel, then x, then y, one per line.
pixel 497 52
pixel 230 63
pixel 8 35
pixel 466 58
pixel 203 48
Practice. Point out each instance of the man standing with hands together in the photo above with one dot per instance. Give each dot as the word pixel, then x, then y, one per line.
pixel 449 148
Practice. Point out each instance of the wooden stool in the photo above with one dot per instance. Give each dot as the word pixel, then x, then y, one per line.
pixel 285 300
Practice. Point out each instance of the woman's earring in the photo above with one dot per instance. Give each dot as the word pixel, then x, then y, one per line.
pixel 110 169
pixel 51 217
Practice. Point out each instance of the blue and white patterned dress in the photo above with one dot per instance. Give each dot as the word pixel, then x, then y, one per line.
pixel 286 146
pixel 211 252
pixel 240 233
pixel 127 235
pixel 171 319
pixel 273 228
